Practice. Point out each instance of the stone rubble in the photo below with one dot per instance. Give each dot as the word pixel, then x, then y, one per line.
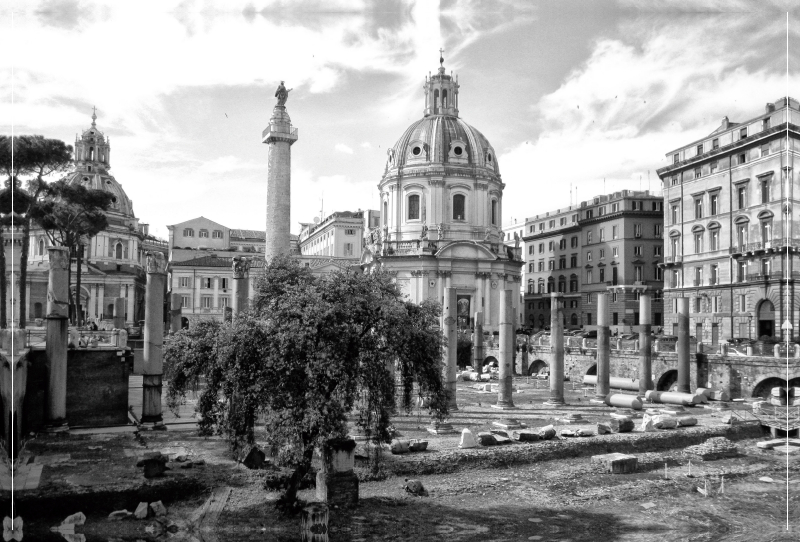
pixel 467 439
pixel 141 511
pixel 158 508
pixel 415 487
pixel 714 448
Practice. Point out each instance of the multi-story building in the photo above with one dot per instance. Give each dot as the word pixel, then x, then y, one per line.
pixel 513 232
pixel 609 243
pixel 731 241
pixel 340 235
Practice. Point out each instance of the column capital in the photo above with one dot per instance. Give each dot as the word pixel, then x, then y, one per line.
pixel 240 267
pixel 155 263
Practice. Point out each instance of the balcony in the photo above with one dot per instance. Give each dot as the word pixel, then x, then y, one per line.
pixel 673 260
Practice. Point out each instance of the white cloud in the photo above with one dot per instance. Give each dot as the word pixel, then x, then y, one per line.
pixel 366 145
pixel 341 147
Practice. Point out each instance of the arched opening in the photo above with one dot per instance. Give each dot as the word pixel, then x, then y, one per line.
pixel 385 212
pixel 436 102
pixel 41 247
pixel 184 322
pixel 766 319
pixel 494 212
pixel 118 251
pixel 573 320
pixel 490 360
pixel 537 367
pixel 459 204
pixel 110 311
pixel 91 153
pixel 444 98
pixel 764 388
pixel 592 371
pixel 668 381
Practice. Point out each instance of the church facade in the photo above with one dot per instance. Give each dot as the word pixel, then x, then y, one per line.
pixel 441 203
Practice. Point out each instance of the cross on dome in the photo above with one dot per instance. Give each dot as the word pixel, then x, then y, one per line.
pixel 94 115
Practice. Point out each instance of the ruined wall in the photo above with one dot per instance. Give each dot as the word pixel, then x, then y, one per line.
pixel 97 388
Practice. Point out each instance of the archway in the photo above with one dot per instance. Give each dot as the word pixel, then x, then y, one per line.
pixel 766 318
pixel 592 371
pixel 491 360
pixel 537 367
pixel 764 388
pixel 668 381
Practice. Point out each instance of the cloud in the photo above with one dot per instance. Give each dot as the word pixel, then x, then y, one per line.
pixel 659 85
pixel 341 147
pixel 366 145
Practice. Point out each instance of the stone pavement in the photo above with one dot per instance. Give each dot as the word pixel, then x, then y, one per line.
pixel 185 414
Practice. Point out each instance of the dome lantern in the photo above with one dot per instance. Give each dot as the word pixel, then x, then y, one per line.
pixel 441 92
pixel 92 149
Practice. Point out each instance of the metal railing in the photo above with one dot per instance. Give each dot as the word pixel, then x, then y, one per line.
pixel 118 338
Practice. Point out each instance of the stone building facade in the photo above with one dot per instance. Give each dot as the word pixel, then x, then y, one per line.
pixel 112 265
pixel 441 208
pixel 611 243
pixel 731 241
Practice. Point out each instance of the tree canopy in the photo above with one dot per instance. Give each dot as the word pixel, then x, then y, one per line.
pixel 312 351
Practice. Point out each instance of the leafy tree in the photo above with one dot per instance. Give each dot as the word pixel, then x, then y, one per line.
pixel 310 352
pixel 37 157
pixel 464 350
pixel 70 213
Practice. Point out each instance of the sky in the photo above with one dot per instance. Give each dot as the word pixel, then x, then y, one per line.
pixel 578 98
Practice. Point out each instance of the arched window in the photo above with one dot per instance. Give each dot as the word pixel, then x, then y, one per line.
pixel 91 153
pixel 444 98
pixel 550 284
pixel 110 313
pixel 562 284
pixel 118 251
pixel 573 283
pixel 573 319
pixel 436 101
pixel 530 286
pixel 494 212
pixel 541 286
pixel 413 207
pixel 459 205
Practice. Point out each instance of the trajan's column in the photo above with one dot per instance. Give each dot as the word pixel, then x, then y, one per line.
pixel 279 135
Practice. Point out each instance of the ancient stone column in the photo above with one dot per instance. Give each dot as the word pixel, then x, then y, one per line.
pixel 241 266
pixel 683 345
pixel 557 351
pixel 645 346
pixel 57 335
pixel 153 337
pixel 119 313
pixel 280 136
pixel 504 399
pixel 449 312
pixel 477 346
pixel 603 348
pixel 13 382
pixel 175 313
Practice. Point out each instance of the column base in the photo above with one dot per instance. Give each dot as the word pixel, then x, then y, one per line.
pixel 554 403
pixel 58 426
pixel 505 406
pixel 508 423
pixel 443 428
pixel 598 401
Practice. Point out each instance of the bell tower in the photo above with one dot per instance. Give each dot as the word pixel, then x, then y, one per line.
pixel 441 92
pixel 92 149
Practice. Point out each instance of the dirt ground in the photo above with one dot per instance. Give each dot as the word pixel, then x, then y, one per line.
pixel 566 498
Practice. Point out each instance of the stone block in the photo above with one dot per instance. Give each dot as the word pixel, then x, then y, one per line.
pixel 603 428
pixel 119 515
pixel 487 439
pixel 786 449
pixel 417 445
pixel 547 432
pixel 568 433
pixel 664 422
pixel 141 511
pixel 500 432
pixel 158 508
pixel 525 436
pixel 400 446
pixel 77 518
pixel 617 463
pixel 729 418
pixel 502 440
pixel 687 421
pixel 467 439
pixel 765 445
pixel 647 426
pixel 621 425
pixel 584 433
pixel 337 488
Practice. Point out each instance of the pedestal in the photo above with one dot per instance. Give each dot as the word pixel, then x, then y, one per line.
pixel 151 398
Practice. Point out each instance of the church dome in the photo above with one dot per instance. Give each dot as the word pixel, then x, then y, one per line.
pixel 443 139
pixel 120 203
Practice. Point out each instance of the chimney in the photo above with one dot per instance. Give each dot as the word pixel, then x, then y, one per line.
pixel 770 107
pixel 725 123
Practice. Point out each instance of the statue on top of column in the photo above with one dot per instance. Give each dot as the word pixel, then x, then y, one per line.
pixel 282 94
pixel 155 263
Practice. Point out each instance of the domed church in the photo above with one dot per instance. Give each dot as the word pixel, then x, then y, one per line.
pixel 112 260
pixel 441 209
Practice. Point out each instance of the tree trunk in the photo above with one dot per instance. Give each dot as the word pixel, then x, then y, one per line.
pixel 23 273
pixel 3 292
pixel 289 498
pixel 78 315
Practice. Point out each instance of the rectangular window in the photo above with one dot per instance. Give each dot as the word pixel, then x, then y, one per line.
pixel 203 234
pixel 765 266
pixel 614 297
pixel 698 243
pixel 562 244
pixel 541 265
pixel 675 213
pixel 742 303
pixel 714 165
pixel 541 248
pixel 638 273
pixel 698 276
pixel 589 214
pixel 714 204
pixel 589 237
pixel 742 235
pixel 657 231
pixel 206 301
pixel 541 226
pixel 675 181
pixel 615 252
pixel 563 221
pixel 574 242
pixel 552 224
pixel 714 237
pixel 186 302
pixel 350 231
pixel 698 208
pixel 551 265
pixel 742 271
pixel 742 196
pixel 216 234
pixel 530 249
pixel 743 133
pixel 676 283
pixel 589 276
pixel 764 149
pixel 602 253
pixel 675 158
pixel 573 261
pixel 602 234
pixel 223 283
pixel 764 190
pixel 698 303
pixel 205 282
pixel 697 172
pixel 348 249
pixel 551 246
pixel 637 250
pixel 765 124
pixel 657 250
pixel 614 207
pixel 615 232
pixel 714 274
pixel 715 143
pixel 185 282
pixel 637 230
pixel 742 158
pixel 223 302
pixel 588 298
pixel 614 318
pixel 700 149
pixel 188 232
pixel 589 256
pixel 658 273
pixel 602 273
